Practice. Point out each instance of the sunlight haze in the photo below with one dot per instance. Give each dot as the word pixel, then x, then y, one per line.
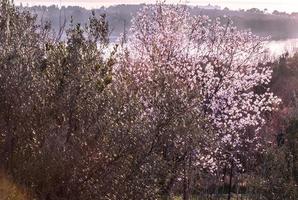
pixel 285 5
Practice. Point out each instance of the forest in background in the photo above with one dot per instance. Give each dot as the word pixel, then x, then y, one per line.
pixel 119 17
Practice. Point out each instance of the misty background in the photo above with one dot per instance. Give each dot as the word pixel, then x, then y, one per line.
pixel 278 25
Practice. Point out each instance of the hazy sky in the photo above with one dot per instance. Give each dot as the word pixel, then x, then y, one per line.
pixel 281 5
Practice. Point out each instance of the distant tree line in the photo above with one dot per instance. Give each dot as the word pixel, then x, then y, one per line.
pixel 119 17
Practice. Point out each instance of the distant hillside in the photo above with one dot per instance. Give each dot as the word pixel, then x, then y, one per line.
pixel 278 25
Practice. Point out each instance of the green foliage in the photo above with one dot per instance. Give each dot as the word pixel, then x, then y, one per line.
pixel 50 99
pixel 292 149
pixel 274 179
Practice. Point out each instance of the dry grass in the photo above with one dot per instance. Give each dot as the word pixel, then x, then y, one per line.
pixel 10 190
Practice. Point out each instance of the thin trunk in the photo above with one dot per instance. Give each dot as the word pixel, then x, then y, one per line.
pixel 186 182
pixel 224 180
pixel 237 190
pixel 7 154
pixel 230 182
pixel 9 143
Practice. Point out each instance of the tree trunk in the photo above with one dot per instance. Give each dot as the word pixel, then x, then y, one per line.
pixel 230 182
pixel 187 178
pixel 9 143
pixel 223 188
pixel 6 154
pixel 185 183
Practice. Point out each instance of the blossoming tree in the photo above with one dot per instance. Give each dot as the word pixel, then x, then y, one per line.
pixel 216 71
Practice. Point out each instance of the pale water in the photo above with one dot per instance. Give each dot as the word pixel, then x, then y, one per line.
pixel 279 47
